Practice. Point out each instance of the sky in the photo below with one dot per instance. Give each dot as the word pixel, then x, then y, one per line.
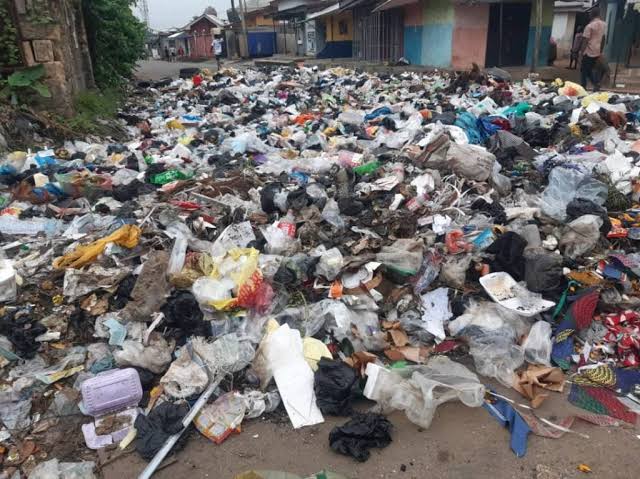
pixel 164 14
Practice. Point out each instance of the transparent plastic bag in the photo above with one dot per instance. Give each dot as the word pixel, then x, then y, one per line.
pixel 492 333
pixel 537 346
pixel 419 390
pixel 581 236
pixel 403 256
pixel 330 263
pixel 566 184
pixel 331 214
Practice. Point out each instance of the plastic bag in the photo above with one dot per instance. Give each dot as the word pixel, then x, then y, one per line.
pixel 53 469
pixel 335 385
pixel 404 256
pixel 219 420
pixel 419 390
pixel 581 236
pixel 330 264
pixel 331 214
pixel 470 161
pixel 492 333
pixel 126 236
pixel 185 377
pixel 537 346
pixel 155 357
pixel 566 184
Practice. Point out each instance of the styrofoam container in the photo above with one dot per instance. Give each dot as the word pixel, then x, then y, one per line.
pixel 111 391
pixel 504 290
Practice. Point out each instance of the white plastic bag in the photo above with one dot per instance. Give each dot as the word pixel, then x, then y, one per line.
pixel 537 346
pixel 419 390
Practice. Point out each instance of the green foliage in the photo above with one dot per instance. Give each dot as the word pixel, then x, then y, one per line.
pixel 38 12
pixel 92 107
pixel 20 85
pixel 9 53
pixel 116 39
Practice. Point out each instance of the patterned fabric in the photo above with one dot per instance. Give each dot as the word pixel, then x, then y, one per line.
pixel 623 336
pixel 600 376
pixel 578 316
pixel 539 428
pixel 601 401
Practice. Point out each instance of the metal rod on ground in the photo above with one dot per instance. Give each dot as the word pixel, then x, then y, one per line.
pixel 536 45
pixel 171 441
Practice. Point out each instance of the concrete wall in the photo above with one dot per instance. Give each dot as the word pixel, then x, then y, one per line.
pixel 258 20
pixel 60 44
pixel 547 22
pixel 562 30
pixel 338 35
pixel 470 35
pixel 441 33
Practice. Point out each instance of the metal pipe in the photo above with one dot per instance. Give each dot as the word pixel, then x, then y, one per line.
pixel 171 440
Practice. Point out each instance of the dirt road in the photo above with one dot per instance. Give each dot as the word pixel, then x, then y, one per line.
pixel 462 443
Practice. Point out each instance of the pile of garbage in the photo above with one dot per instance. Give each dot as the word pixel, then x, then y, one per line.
pixel 294 240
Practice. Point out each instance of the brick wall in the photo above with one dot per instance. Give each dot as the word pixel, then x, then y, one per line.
pixel 52 33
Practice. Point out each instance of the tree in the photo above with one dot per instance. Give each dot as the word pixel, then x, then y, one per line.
pixel 210 11
pixel 116 39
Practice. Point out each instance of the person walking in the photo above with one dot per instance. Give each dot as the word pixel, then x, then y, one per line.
pixel 591 50
pixel 575 49
pixel 217 50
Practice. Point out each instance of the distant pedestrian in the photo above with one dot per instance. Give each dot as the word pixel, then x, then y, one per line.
pixel 181 52
pixel 217 50
pixel 173 54
pixel 591 50
pixel 575 49
pixel 166 53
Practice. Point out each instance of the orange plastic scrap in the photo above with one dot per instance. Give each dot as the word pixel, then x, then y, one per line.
pixel 303 118
pixel 127 236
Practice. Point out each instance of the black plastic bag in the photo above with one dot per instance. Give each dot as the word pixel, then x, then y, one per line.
pixel 153 430
pixel 360 434
pixel 335 385
pixel 509 250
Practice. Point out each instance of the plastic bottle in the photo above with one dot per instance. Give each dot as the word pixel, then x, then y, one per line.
pixel 168 177
pixel 367 168
pixel 288 224
pixel 417 202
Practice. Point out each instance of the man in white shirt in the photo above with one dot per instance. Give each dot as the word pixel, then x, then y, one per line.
pixel 217 50
pixel 591 50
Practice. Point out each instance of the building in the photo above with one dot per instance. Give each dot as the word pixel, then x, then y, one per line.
pixel 200 36
pixel 568 17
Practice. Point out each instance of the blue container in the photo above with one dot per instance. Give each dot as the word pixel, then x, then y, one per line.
pixel 261 44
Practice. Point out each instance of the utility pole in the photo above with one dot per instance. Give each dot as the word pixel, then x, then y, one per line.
pixel 243 11
pixel 144 5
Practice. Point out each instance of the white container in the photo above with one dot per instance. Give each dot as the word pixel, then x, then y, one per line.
pixel 504 290
pixel 8 288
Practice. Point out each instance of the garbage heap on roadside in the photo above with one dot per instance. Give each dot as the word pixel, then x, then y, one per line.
pixel 295 240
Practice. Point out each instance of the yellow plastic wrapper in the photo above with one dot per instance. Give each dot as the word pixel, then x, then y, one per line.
pixel 572 89
pixel 127 236
pixel 575 130
pixel 313 350
pixel 241 265
pixel 602 97
pixel 558 82
pixel 175 125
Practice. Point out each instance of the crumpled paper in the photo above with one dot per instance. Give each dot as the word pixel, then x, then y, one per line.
pixel 532 382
